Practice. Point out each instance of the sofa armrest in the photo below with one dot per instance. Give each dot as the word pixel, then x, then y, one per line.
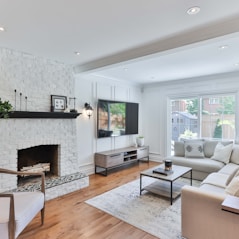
pixel 202 216
pixel 7 171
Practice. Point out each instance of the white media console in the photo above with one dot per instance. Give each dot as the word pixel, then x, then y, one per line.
pixel 115 158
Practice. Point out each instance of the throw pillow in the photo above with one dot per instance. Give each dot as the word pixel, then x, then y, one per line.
pixel 179 149
pixel 233 187
pixel 210 145
pixel 194 149
pixel 222 153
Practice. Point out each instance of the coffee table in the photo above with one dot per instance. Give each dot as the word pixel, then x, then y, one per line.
pixel 160 188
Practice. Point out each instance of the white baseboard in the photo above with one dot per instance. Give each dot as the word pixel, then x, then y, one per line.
pixel 87 169
pixel 155 157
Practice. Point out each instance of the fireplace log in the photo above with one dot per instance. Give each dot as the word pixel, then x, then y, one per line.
pixel 40 167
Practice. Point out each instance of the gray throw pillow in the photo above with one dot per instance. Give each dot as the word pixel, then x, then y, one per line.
pixel 194 149
pixel 179 149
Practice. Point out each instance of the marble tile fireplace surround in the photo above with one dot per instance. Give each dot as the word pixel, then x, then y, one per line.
pixel 30 135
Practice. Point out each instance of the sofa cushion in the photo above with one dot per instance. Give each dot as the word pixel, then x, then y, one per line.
pixel 212 188
pixel 222 153
pixel 194 149
pixel 216 179
pixel 233 187
pixel 230 169
pixel 210 145
pixel 179 149
pixel 203 165
pixel 235 154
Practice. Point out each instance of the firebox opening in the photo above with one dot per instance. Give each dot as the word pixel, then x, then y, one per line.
pixel 42 154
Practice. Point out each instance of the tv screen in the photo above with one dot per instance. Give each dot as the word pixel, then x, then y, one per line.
pixel 115 118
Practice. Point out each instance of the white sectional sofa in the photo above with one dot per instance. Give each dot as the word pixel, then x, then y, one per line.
pixel 202 214
pixel 202 163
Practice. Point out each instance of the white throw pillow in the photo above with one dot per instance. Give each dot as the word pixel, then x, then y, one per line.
pixel 194 149
pixel 233 187
pixel 222 153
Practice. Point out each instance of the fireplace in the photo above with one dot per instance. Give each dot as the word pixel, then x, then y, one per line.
pixel 38 158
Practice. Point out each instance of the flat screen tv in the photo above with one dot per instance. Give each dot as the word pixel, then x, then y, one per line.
pixel 116 118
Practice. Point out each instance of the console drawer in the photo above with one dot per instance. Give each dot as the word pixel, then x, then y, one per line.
pixel 109 160
pixel 143 152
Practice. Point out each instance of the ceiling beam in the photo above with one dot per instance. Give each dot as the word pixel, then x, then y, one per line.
pixel 195 35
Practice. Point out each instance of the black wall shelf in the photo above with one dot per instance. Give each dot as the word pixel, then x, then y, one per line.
pixel 43 115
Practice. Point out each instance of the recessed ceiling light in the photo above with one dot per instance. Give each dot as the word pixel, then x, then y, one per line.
pixel 236 64
pixel 193 10
pixel 223 47
pixel 77 53
pixel 2 29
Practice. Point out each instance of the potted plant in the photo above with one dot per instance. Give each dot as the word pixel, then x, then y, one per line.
pixel 5 109
pixel 140 141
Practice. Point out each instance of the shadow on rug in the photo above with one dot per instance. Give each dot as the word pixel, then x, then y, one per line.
pixel 147 212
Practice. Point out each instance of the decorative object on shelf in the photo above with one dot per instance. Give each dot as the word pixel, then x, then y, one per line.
pixel 168 165
pixel 88 109
pixel 25 103
pixel 20 101
pixel 5 109
pixel 58 103
pixel 15 99
pixel 72 107
pixel 140 141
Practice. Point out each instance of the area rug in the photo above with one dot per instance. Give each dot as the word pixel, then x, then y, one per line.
pixel 147 212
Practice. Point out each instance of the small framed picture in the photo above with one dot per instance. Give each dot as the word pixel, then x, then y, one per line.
pixel 58 103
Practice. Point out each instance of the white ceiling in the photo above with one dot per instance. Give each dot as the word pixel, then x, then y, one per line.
pixel 136 40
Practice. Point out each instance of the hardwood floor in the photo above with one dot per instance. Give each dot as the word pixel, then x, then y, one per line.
pixel 69 217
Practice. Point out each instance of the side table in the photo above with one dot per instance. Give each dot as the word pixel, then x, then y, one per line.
pixel 231 204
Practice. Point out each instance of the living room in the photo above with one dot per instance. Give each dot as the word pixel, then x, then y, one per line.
pixel 28 79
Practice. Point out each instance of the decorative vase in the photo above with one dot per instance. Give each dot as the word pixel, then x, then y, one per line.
pixel 140 141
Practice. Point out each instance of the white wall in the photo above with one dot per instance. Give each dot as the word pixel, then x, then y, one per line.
pixel 157 119
pixel 38 79
pixel 90 88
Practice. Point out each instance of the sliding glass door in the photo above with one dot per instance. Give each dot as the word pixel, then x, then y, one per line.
pixel 184 118
pixel 211 117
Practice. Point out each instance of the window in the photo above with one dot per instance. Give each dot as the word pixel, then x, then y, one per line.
pixel 213 101
pixel 210 117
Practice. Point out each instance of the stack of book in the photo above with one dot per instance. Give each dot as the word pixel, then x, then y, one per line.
pixel 162 171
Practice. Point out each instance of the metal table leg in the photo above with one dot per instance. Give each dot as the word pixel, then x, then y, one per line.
pixel 140 184
pixel 171 192
pixel 191 177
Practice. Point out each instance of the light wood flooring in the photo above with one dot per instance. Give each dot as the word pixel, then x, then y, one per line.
pixel 69 217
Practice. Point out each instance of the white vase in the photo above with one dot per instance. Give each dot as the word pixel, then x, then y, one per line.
pixel 140 142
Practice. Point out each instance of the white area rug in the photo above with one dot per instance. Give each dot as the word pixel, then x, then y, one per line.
pixel 147 212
